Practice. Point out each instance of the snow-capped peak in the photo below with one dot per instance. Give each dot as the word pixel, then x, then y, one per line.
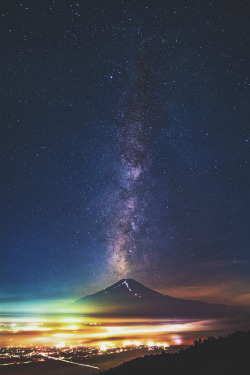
pixel 123 283
pixel 126 283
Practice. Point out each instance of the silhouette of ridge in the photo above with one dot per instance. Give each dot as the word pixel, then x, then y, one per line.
pixel 223 356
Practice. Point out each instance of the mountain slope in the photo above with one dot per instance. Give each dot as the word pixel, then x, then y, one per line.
pixel 223 356
pixel 128 297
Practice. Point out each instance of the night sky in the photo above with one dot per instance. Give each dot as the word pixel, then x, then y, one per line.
pixel 124 147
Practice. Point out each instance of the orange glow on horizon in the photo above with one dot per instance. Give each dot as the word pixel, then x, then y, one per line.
pixel 84 331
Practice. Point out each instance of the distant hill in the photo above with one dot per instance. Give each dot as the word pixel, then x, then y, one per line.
pixel 128 297
pixel 224 356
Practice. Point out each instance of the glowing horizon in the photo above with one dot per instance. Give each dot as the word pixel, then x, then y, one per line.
pixel 84 331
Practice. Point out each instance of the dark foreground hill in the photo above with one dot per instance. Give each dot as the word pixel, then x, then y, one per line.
pixel 128 297
pixel 229 355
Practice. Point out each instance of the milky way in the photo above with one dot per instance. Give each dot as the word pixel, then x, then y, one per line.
pixel 125 147
pixel 127 245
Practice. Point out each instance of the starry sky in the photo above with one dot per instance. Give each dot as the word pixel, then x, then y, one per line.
pixel 124 147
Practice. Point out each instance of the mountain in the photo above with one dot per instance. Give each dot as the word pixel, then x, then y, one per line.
pixel 128 297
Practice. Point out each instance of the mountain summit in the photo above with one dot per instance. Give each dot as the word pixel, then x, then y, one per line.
pixel 129 287
pixel 128 297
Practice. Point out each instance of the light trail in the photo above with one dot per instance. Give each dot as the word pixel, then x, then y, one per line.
pixel 15 363
pixel 64 360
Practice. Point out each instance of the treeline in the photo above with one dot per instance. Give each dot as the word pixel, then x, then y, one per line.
pixel 228 355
